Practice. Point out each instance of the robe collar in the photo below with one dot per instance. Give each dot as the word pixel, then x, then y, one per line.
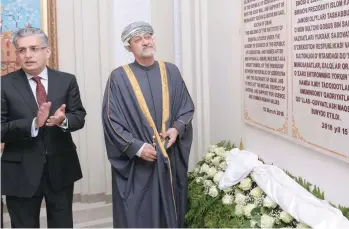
pixel 146 68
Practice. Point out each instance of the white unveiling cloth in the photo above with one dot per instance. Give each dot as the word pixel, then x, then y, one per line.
pixel 283 190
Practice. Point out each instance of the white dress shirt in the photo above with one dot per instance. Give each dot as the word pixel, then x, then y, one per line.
pixel 44 80
pixel 139 153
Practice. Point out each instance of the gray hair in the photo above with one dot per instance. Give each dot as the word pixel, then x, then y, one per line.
pixel 30 31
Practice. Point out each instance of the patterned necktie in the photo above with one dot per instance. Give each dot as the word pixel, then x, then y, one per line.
pixel 41 95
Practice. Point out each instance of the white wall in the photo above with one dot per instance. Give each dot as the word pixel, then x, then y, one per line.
pixel 162 22
pixel 224 20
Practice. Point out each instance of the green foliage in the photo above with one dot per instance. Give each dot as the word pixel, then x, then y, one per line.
pixel 265 210
pixel 207 212
pixel 227 145
pixel 241 146
pixel 308 186
pixel 345 211
pixel 280 225
pixel 317 193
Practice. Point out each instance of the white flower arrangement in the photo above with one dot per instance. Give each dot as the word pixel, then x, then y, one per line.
pixel 208 183
pixel 213 191
pixel 212 148
pixel 248 209
pixel 212 172
pixel 218 177
pixel 228 190
pixel 227 199
pixel 256 192
pixel 239 210
pixel 267 221
pixel 220 151
pixel 285 217
pixel 223 165
pixel 209 156
pixel 240 199
pixel 246 184
pixel 217 160
pixel 269 203
pixel 204 168
pixel 247 200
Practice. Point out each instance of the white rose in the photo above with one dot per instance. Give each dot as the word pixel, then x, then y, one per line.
pixel 218 177
pixel 211 172
pixel 220 151
pixel 248 208
pixel 267 221
pixel 269 203
pixel 246 184
pixel 302 225
pixel 204 168
pixel 240 199
pixel 196 170
pixel 227 199
pixel 256 192
pixel 207 183
pixel 213 191
pixel 253 176
pixel 198 180
pixel 217 160
pixel 239 210
pixel 258 201
pixel 228 190
pixel 209 156
pixel 253 223
pixel 223 165
pixel 285 217
pixel 212 148
pixel 237 191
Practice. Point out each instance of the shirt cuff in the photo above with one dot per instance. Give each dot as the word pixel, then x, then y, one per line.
pixel 139 153
pixel 133 148
pixel 64 124
pixel 34 131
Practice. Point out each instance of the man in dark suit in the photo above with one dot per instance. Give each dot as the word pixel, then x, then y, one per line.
pixel 39 109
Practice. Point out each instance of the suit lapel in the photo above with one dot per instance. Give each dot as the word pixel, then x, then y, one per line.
pixel 53 85
pixel 20 82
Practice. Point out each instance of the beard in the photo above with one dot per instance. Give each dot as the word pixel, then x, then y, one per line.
pixel 148 51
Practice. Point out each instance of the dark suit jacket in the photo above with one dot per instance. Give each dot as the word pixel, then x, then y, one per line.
pixel 24 156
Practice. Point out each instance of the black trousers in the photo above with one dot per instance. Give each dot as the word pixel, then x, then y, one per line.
pixel 25 212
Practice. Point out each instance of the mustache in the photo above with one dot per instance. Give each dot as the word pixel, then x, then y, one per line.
pixel 149 46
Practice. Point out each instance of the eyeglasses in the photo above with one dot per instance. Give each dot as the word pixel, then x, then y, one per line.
pixel 33 49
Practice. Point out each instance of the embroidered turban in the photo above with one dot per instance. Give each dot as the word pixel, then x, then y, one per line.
pixel 134 29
